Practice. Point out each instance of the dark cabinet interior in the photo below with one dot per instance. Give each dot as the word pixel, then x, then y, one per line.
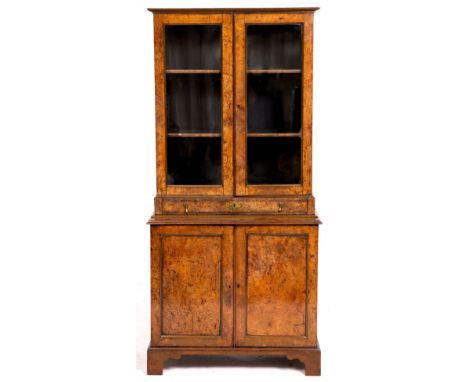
pixel 274 160
pixel 274 103
pixel 274 46
pixel 193 161
pixel 193 108
pixel 193 46
pixel 193 103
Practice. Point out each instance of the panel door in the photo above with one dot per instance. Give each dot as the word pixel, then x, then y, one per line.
pixel 191 285
pixel 273 98
pixel 194 118
pixel 276 286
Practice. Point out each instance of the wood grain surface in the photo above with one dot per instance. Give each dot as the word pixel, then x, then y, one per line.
pixel 231 219
pixel 235 206
pixel 274 204
pixel 191 289
pixel 310 356
pixel 276 286
pixel 228 113
pixel 240 100
pixel 307 41
pixel 234 266
pixel 233 10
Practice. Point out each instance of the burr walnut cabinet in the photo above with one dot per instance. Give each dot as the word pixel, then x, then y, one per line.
pixel 234 232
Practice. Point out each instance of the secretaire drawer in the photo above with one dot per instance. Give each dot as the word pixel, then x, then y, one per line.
pixel 234 205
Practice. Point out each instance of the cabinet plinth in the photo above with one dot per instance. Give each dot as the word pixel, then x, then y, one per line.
pixel 234 234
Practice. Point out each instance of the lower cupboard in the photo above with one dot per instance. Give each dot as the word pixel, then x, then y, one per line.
pixel 233 287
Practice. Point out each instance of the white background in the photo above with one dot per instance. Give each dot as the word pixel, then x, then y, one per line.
pixel 77 182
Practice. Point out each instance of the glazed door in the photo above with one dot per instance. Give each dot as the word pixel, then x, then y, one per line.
pixel 273 98
pixel 194 138
pixel 191 285
pixel 276 286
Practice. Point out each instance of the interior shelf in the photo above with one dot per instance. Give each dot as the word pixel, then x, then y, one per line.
pixel 274 71
pixel 193 71
pixel 272 135
pixel 193 46
pixel 194 135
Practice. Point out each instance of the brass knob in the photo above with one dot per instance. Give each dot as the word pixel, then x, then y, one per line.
pixel 280 207
pixel 234 205
pixel 186 208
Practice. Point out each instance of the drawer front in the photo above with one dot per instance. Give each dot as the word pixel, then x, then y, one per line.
pixel 235 206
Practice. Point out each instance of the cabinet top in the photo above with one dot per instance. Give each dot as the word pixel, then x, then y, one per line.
pixel 233 10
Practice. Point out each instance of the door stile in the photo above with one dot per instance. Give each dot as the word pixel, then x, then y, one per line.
pixel 240 105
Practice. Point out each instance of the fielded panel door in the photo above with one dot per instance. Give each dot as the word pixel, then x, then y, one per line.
pixel 276 285
pixel 194 118
pixel 273 104
pixel 191 285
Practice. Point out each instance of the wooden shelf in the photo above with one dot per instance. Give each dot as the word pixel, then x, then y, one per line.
pixel 274 71
pixel 277 135
pixel 193 71
pixel 194 135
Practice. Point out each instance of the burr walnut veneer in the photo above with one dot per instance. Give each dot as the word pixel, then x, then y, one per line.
pixel 234 233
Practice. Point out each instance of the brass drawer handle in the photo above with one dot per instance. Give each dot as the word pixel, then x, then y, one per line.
pixel 186 208
pixel 280 207
pixel 235 205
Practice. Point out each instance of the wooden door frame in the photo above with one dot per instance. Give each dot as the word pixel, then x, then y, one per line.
pixel 225 20
pixel 242 338
pixel 240 86
pixel 226 286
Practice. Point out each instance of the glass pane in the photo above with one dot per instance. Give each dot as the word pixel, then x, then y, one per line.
pixel 193 103
pixel 274 103
pixel 274 160
pixel 274 46
pixel 193 47
pixel 194 161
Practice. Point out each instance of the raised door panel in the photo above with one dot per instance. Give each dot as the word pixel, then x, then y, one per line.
pixel 192 273
pixel 273 113
pixel 194 116
pixel 276 277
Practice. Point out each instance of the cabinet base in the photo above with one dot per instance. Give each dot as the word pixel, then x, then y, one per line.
pixel 310 357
